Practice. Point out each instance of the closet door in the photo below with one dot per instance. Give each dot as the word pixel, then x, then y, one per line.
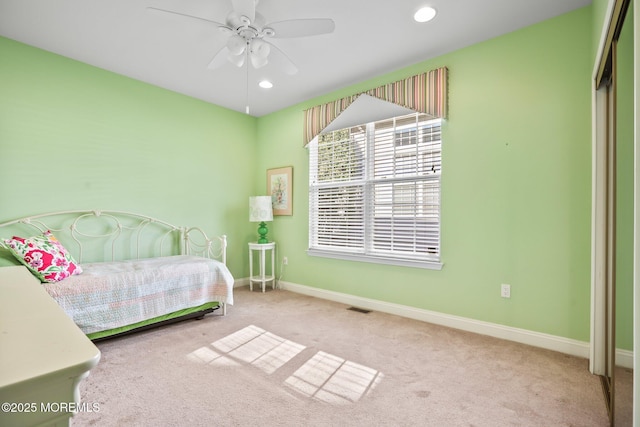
pixel 605 297
pixel 610 275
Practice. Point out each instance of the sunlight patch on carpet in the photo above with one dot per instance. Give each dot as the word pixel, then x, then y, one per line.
pixel 325 377
pixel 208 356
pixel 333 379
pixel 251 345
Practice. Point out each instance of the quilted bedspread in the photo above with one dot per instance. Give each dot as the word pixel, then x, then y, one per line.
pixel 108 295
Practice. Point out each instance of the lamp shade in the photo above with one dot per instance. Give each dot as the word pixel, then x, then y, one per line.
pixel 260 209
pixel 258 62
pixel 260 48
pixel 236 45
pixel 237 60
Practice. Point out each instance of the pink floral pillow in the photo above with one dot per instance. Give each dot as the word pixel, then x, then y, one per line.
pixel 45 256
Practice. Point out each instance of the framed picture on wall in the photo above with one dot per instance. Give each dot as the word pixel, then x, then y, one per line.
pixel 280 186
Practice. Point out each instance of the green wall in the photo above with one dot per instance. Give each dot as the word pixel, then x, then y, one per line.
pixel 74 136
pixel 516 186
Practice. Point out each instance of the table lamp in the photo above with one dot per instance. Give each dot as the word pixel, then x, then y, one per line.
pixel 261 210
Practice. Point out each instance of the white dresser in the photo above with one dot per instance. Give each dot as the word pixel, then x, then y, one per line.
pixel 43 355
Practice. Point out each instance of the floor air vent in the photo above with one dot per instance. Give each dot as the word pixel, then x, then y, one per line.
pixel 359 310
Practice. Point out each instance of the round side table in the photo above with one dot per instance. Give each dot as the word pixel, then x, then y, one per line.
pixel 262 278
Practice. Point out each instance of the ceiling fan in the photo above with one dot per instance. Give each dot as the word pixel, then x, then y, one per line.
pixel 248 36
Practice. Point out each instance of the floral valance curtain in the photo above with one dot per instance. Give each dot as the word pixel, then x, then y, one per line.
pixel 425 93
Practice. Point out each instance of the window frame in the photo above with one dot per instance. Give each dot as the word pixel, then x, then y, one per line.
pixel 367 253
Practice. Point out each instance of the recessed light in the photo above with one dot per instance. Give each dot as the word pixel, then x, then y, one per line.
pixel 425 14
pixel 265 84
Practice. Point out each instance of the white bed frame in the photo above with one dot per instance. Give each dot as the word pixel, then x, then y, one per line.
pixel 119 235
pixel 72 228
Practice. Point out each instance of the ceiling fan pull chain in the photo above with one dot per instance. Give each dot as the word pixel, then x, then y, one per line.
pixel 247 62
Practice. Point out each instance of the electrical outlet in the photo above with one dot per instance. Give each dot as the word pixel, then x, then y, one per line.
pixel 285 261
pixel 505 291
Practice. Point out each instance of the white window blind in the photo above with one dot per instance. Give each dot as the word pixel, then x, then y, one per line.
pixel 374 191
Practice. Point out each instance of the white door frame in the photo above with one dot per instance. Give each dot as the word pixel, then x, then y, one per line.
pixel 636 212
pixel 598 234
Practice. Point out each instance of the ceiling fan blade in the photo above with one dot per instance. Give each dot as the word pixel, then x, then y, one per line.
pixel 219 59
pixel 245 8
pixel 155 9
pixel 280 60
pixel 302 27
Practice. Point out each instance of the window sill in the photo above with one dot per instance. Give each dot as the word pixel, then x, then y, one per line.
pixel 429 265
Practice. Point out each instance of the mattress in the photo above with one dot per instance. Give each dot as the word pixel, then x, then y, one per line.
pixel 110 295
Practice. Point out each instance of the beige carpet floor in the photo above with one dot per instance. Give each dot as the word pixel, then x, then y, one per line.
pixel 283 359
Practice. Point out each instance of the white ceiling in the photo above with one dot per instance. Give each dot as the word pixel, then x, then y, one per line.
pixel 372 37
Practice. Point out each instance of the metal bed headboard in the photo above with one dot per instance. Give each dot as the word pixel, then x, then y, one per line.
pixel 118 232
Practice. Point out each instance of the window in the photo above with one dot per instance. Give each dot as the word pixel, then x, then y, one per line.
pixel 374 192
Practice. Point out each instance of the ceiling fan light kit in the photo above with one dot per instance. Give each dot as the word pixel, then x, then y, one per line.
pixel 247 36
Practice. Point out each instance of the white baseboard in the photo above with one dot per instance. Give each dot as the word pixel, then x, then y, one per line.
pixel 241 282
pixel 577 348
